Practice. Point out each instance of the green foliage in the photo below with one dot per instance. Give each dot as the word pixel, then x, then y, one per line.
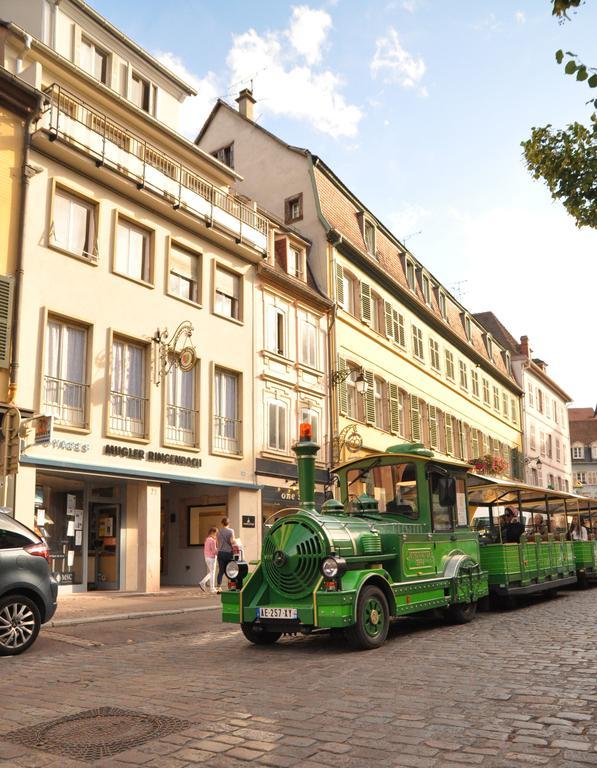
pixel 567 161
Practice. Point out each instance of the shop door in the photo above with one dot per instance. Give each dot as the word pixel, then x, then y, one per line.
pixel 103 553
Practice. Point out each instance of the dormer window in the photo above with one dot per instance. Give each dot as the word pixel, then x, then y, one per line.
pixel 410 274
pixel 295 262
pixel 293 208
pixel 467 327
pixel 369 237
pixel 225 155
pixel 93 60
pixel 489 346
pixel 443 307
pixel 140 92
pixel 426 289
pixel 508 361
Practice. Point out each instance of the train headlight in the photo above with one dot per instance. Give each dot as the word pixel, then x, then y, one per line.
pixel 333 567
pixel 232 570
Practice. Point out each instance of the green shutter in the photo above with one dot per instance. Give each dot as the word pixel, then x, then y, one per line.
pixel 415 419
pixel 342 389
pixel 6 296
pixel 340 284
pixel 370 398
pixel 399 333
pixel 394 409
pixel 366 302
pixel 449 435
pixel 389 323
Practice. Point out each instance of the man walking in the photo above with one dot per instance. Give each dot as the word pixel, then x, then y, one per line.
pixel 225 540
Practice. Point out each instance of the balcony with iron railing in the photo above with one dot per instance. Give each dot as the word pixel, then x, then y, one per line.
pixel 181 425
pixel 226 437
pixel 128 414
pixel 71 120
pixel 66 401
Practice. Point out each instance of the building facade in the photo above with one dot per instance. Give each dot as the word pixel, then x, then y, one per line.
pixel 583 439
pixel 136 320
pixel 407 361
pixel 291 365
pixel 546 432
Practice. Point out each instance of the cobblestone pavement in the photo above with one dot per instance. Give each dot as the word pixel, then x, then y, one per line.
pixel 513 688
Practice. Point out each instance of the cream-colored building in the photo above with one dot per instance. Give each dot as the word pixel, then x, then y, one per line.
pixel 131 233
pixel 429 371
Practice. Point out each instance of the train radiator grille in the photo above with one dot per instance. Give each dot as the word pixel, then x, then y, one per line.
pixel 292 555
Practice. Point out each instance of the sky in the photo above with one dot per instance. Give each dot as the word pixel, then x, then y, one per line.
pixel 419 106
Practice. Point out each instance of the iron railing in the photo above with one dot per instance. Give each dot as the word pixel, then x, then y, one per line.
pixel 128 414
pixel 66 401
pixel 226 437
pixel 70 119
pixel 181 425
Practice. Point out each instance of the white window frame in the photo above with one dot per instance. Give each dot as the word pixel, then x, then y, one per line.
pixel 181 425
pixel 96 52
pixel 227 427
pixel 65 398
pixel 308 334
pixel 68 245
pixel 227 304
pixel 434 357
pixel 450 372
pixel 276 329
pixel 177 278
pixel 278 409
pixel 129 406
pixel 418 346
pixel 122 259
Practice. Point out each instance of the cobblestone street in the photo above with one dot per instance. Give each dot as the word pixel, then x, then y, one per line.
pixel 511 689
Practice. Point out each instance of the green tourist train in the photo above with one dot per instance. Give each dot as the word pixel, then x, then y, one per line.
pixel 410 533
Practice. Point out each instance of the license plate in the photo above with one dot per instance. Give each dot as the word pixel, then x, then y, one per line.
pixel 277 613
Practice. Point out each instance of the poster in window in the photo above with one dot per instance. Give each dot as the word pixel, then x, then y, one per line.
pixel 461 509
pixel 71 501
pixel 78 520
pixel 105 527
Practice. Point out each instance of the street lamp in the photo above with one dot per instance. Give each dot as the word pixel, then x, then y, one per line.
pixel 361 385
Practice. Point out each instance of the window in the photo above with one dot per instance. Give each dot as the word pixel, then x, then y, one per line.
pixel 434 354
pixel 486 391
pixel 533 438
pixel 140 92
pixel 181 408
pixel 475 443
pixel 132 251
pixel 530 395
pixel 128 404
pixel 475 382
pixel 508 360
pixel 228 294
pixel 277 417
pixel 505 406
pixel 539 400
pixel 450 366
pixel 578 452
pixel 395 325
pixel 594 451
pixel 449 434
pixel 558 451
pixel 394 486
pixel 426 289
pixel 489 346
pixel 546 407
pixel 354 400
pixel 396 409
pixel 308 333
pixel 410 274
pixel 275 331
pixel 93 60
pixel 467 328
pixel 580 477
pixel 548 446
pixel 65 373
pixel 377 313
pixel 184 274
pixel 463 374
pixel 418 350
pixel 295 262
pixel 227 425
pixel 555 412
pixel 514 410
pixel 542 443
pixel 369 236
pixel 496 399
pixel 310 416
pixel 443 517
pixel 443 305
pixel 73 227
pixel 225 155
pixel 381 405
pixel 348 291
pixel 433 427
pixel 293 208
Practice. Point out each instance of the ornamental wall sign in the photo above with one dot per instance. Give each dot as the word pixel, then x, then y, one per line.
pixel 176 351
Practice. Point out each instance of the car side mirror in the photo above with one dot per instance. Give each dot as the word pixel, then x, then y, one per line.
pixel 446 487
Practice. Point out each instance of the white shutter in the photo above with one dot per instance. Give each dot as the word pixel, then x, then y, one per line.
pixel 415 419
pixel 370 398
pixel 389 320
pixel 6 299
pixel 366 302
pixel 340 285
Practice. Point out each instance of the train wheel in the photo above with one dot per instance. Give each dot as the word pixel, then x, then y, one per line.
pixel 373 620
pixel 258 635
pixel 461 613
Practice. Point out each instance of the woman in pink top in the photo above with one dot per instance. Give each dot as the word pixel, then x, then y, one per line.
pixel 210 553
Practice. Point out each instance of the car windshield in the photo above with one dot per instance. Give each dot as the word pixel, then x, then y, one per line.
pixel 394 486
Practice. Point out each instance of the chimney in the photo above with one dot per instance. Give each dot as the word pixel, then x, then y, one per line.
pixel 245 102
pixel 524 346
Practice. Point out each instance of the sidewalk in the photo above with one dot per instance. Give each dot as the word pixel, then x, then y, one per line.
pixel 90 607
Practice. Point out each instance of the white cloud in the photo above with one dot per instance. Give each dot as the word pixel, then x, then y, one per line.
pixel 407 220
pixel 308 31
pixel 194 109
pixel 395 64
pixel 520 17
pixel 285 80
pixel 488 24
pixel 410 5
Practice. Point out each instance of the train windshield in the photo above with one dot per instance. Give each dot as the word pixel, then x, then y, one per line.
pixel 394 486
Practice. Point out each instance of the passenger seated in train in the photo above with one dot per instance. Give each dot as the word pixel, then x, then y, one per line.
pixel 577 531
pixel 512 529
pixel 538 526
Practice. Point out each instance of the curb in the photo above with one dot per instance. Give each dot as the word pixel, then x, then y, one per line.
pixel 126 616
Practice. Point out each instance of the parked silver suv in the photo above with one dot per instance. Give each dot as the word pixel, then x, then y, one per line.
pixel 27 589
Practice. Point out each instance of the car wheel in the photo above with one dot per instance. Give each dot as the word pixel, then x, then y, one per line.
pixel 258 635
pixel 19 624
pixel 461 613
pixel 373 620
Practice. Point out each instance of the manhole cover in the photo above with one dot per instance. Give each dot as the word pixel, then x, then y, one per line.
pixel 96 733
